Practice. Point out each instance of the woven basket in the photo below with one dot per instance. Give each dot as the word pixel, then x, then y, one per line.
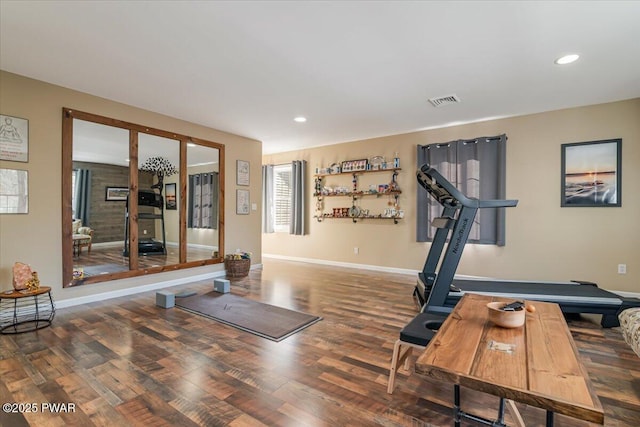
pixel 237 267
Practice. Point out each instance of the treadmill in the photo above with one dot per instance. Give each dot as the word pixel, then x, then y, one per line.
pixel 151 200
pixel 439 291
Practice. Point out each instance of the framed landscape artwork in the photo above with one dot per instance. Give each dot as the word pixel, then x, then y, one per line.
pixel 591 174
pixel 116 194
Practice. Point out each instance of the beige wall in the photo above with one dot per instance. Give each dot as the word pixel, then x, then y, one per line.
pixel 544 241
pixel 35 238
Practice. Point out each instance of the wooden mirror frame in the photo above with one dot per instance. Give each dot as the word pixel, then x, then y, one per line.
pixel 68 115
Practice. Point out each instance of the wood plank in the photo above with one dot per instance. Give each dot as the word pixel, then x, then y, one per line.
pixel 454 347
pixel 508 368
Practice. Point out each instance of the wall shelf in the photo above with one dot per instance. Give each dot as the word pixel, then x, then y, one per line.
pixel 358 172
pixel 354 212
pixel 358 218
pixel 360 194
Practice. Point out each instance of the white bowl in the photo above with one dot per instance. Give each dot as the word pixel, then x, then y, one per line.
pixel 505 319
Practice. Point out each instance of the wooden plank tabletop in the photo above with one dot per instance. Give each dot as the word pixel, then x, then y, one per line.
pixel 537 364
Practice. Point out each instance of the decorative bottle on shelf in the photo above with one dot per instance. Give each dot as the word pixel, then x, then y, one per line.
pixel 396 161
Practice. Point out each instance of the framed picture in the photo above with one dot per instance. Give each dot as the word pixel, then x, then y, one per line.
pixel 170 197
pixel 242 176
pixel 14 139
pixel 592 174
pixel 354 165
pixel 116 194
pixel 242 202
pixel 14 191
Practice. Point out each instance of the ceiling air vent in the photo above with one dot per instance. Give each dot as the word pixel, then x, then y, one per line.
pixel 444 100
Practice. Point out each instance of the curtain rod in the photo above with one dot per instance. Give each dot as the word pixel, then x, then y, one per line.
pixel 465 141
pixel 283 164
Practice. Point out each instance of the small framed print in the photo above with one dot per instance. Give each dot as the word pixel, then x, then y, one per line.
pixel 14 191
pixel 170 197
pixel 242 176
pixel 14 139
pixel 242 202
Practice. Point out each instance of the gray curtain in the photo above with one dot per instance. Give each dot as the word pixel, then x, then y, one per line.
pixel 267 199
pixel 215 191
pixel 476 167
pixel 203 200
pixel 194 201
pixel 83 196
pixel 298 191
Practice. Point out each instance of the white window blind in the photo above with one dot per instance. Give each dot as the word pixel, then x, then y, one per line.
pixel 282 192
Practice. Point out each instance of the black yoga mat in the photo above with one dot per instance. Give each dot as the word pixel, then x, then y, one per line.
pixel 267 321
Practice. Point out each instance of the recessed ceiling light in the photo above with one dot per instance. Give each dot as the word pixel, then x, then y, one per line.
pixel 300 119
pixel 567 59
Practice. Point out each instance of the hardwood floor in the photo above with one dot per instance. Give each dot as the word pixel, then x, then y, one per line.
pixel 109 259
pixel 126 362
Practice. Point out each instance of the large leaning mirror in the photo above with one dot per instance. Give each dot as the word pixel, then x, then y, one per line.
pixel 137 200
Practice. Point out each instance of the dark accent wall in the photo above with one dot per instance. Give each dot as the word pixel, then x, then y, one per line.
pixel 107 217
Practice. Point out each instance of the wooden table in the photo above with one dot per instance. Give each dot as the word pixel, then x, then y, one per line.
pixel 26 311
pixel 540 368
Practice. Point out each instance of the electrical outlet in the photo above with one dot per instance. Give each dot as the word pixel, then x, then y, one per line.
pixel 356 250
pixel 144 231
pixel 622 268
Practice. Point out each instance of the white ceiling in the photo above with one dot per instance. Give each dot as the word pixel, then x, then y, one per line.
pixel 97 143
pixel 355 69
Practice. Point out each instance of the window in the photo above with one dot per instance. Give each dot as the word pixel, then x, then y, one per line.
pixel 283 198
pixel 282 189
pixel 477 168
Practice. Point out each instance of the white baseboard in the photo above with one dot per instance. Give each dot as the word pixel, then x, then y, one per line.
pixel 108 244
pixel 70 302
pixel 396 270
pixel 343 264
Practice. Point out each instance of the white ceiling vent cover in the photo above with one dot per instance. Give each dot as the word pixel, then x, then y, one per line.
pixel 444 100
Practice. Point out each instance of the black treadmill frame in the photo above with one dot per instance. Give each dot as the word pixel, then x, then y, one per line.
pixel 149 246
pixel 439 289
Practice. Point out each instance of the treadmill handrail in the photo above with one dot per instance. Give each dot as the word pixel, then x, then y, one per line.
pixel 447 194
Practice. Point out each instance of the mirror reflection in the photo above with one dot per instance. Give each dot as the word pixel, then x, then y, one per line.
pixel 158 219
pixel 175 220
pixel 202 202
pixel 100 186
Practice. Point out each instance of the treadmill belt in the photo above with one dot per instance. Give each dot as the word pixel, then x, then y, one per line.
pixel 551 292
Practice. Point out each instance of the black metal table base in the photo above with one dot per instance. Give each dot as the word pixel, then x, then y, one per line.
pixel 459 414
pixel 26 314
